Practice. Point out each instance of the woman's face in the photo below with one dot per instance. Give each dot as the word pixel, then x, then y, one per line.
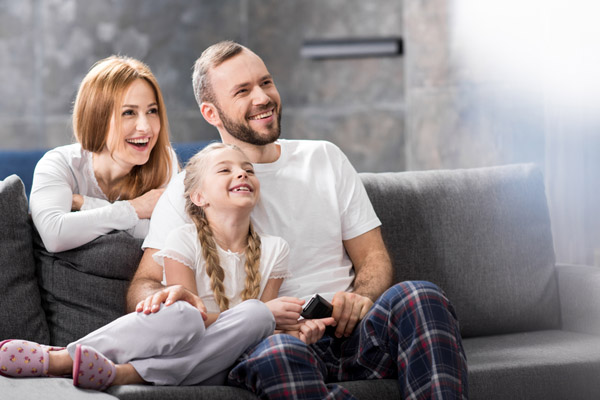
pixel 132 139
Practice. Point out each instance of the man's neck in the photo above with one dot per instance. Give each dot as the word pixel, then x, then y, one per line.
pixel 257 154
pixel 262 154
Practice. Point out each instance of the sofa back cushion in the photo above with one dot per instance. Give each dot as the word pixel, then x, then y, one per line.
pixel 21 313
pixel 85 288
pixel 21 163
pixel 483 235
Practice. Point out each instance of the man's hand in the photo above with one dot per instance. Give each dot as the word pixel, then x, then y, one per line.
pixel 308 330
pixel 286 310
pixel 170 295
pixel 348 310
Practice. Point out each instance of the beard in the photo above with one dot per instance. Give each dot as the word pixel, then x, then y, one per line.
pixel 243 132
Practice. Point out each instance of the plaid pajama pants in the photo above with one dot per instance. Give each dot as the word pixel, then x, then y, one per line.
pixel 410 334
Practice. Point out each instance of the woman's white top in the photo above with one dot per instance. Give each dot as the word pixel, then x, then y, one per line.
pixel 68 170
pixel 183 245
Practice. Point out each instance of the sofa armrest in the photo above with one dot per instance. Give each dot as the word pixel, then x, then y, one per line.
pixel 579 291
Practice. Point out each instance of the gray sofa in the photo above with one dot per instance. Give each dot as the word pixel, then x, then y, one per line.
pixel 531 329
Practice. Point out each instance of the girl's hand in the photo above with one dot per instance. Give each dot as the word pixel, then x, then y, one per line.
pixel 308 330
pixel 77 202
pixel 286 310
pixel 170 295
pixel 144 205
pixel 314 329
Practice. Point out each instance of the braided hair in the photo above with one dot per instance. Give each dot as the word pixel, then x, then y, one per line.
pixel 195 170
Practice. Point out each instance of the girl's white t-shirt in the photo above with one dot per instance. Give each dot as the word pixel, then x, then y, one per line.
pixel 182 245
pixel 313 198
pixel 68 170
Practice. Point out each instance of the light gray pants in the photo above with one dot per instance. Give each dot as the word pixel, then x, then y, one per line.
pixel 173 347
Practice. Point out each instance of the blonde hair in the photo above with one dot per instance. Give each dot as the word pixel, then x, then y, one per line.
pixel 102 89
pixel 194 173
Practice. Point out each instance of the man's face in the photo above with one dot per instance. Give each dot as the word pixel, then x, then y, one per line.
pixel 247 100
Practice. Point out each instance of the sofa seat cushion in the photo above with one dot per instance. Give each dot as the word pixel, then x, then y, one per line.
pixel 21 313
pixel 47 389
pixel 483 235
pixel 365 390
pixel 85 288
pixel 549 364
pixel 145 392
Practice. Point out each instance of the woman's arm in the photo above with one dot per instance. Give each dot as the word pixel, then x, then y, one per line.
pixel 51 200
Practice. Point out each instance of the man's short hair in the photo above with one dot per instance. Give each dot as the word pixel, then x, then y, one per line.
pixel 210 58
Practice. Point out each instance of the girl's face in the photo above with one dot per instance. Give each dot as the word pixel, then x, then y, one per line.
pixel 132 139
pixel 228 182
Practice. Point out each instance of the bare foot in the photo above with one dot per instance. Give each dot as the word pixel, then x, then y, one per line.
pixel 60 363
pixel 127 375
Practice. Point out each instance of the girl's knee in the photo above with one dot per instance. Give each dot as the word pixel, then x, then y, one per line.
pixel 183 308
pixel 257 317
pixel 182 316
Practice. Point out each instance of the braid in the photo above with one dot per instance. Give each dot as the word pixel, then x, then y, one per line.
pixel 253 277
pixel 213 266
pixel 195 170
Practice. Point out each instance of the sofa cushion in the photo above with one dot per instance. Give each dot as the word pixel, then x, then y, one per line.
pixel 375 389
pixel 534 365
pixel 21 313
pixel 21 163
pixel 483 235
pixel 47 389
pixel 85 288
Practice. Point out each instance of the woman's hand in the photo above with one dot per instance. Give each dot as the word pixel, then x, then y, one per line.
pixel 77 202
pixel 286 310
pixel 144 205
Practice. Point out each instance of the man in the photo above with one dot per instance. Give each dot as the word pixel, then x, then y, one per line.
pixel 312 197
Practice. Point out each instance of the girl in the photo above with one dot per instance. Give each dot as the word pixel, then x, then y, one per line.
pixel 113 175
pixel 219 258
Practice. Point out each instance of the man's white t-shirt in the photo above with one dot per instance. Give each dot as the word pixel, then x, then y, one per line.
pixel 183 245
pixel 68 170
pixel 313 198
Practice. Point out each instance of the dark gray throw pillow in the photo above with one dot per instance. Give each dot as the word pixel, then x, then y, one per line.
pixel 85 288
pixel 21 313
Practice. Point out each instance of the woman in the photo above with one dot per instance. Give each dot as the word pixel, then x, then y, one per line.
pixel 112 178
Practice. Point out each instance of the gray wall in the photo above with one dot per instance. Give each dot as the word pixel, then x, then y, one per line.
pixel 517 89
pixel 46 47
pixel 434 107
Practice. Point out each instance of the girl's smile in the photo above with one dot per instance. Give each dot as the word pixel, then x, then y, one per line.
pixel 228 182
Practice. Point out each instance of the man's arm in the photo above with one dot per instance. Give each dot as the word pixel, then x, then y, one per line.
pixel 145 282
pixel 373 275
pixel 372 264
